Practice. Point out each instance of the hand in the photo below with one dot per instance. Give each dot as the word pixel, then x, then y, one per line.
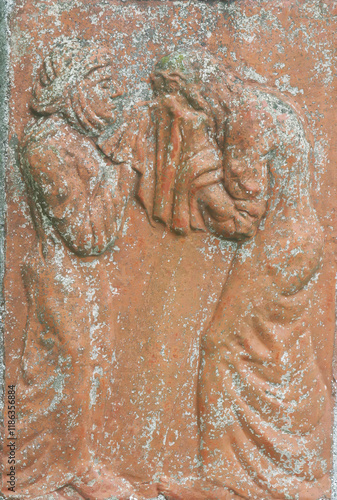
pixel 227 217
pixel 217 202
pixel 254 208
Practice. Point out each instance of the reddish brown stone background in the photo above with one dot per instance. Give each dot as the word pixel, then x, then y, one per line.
pixel 285 43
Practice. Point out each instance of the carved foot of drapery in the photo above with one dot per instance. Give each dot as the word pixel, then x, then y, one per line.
pixel 191 490
pixel 101 485
pixel 67 493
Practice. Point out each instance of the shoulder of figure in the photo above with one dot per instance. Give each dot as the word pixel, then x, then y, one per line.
pixel 55 136
pixel 284 111
pixel 282 117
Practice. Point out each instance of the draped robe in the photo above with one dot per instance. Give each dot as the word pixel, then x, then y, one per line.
pixel 69 330
pixel 264 407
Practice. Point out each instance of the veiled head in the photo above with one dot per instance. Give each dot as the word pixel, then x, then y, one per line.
pixel 77 80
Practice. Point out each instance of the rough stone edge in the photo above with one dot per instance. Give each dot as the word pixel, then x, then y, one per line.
pixel 5 10
pixel 5 7
pixel 334 430
pixel 4 108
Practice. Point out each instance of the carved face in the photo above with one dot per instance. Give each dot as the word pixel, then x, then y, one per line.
pixel 101 93
pixel 157 83
pixel 164 82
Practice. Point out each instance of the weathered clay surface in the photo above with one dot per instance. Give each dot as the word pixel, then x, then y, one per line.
pixel 169 274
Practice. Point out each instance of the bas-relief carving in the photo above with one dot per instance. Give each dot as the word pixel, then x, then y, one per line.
pixel 210 153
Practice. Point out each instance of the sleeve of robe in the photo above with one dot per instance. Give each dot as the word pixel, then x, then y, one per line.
pixel 80 193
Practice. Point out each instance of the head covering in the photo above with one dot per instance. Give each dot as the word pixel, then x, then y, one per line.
pixel 69 62
pixel 194 66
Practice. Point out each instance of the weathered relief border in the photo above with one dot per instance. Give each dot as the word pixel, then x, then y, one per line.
pixel 5 9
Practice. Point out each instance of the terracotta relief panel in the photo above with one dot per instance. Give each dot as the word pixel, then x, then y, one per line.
pixel 169 277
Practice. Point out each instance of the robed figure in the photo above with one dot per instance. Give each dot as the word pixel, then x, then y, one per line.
pixel 263 404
